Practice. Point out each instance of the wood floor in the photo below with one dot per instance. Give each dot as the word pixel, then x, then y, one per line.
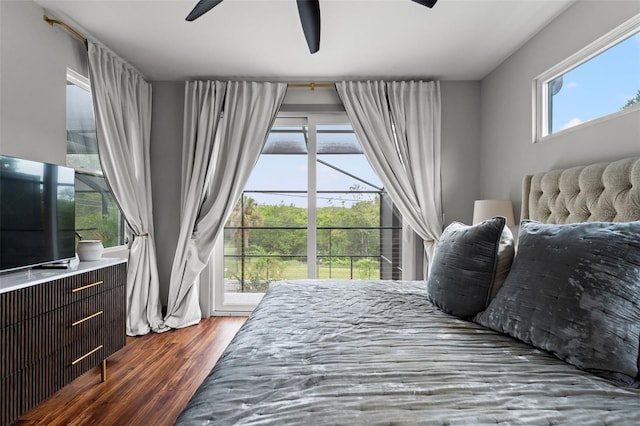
pixel 149 381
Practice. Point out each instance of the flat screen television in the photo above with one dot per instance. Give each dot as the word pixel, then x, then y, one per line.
pixel 37 213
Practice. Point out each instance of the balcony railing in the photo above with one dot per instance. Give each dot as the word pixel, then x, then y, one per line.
pixel 258 253
pixel 246 271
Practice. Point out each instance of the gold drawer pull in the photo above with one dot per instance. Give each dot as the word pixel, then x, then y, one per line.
pixel 86 355
pixel 86 319
pixel 86 287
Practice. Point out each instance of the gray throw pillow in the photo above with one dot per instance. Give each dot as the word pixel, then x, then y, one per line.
pixel 465 266
pixel 574 290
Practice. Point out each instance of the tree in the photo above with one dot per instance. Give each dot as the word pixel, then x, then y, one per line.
pixel 249 217
pixel 260 271
pixel 284 241
pixel 633 101
pixel 252 217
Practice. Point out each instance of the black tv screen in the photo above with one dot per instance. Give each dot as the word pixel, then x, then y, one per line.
pixel 37 213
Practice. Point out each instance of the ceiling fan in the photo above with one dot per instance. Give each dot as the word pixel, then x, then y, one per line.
pixel 309 11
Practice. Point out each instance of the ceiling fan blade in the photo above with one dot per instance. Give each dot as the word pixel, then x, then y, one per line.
pixel 310 19
pixel 428 3
pixel 201 8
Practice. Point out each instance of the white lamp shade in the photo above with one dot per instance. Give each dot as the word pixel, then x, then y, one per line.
pixel 486 209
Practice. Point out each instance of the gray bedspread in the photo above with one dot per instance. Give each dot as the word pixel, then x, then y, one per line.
pixel 358 352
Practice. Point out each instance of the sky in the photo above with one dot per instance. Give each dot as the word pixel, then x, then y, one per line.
pixel 289 172
pixel 599 87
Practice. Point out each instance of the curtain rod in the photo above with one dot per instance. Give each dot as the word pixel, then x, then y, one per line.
pixel 311 86
pixel 70 30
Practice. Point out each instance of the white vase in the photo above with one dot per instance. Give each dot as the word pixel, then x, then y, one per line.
pixel 89 250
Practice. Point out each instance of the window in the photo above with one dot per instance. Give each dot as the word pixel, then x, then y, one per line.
pixel 97 215
pixel 601 80
pixel 358 228
pixel 313 208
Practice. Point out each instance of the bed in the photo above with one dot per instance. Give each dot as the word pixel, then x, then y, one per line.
pixel 556 343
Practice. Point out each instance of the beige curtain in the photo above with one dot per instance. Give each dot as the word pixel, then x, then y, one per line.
pixel 216 166
pixel 122 103
pixel 398 125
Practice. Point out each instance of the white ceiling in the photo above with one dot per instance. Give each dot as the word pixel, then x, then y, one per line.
pixel 456 40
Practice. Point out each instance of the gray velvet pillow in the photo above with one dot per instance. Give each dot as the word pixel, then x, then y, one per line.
pixel 574 290
pixel 465 265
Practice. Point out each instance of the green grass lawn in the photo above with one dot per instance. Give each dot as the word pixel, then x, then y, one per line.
pixel 294 270
pixel 298 270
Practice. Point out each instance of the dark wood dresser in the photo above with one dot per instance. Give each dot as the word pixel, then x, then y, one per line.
pixel 54 326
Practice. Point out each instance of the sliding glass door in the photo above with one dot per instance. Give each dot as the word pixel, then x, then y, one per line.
pixel 265 238
pixel 312 208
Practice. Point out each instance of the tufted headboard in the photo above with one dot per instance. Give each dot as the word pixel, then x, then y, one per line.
pixel 608 192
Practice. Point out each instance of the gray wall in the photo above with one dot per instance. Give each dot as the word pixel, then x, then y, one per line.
pixel 33 66
pixel 507 153
pixel 460 149
pixel 166 155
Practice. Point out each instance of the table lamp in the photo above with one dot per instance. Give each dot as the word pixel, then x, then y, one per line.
pixel 486 209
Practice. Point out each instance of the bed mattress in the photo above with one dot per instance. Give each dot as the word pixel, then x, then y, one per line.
pixel 364 352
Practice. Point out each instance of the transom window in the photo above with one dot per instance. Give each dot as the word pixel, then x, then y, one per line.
pixel 599 81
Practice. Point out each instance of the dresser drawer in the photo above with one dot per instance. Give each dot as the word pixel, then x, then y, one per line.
pixel 28 341
pixel 39 299
pixel 99 328
pixel 26 388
